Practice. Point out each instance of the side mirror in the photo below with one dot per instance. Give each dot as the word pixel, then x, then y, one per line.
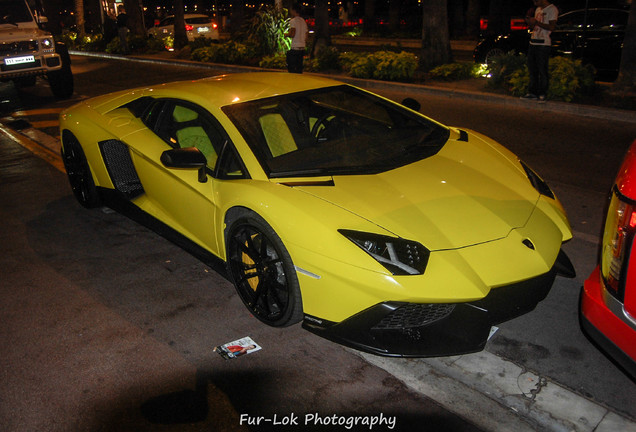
pixel 412 103
pixel 186 158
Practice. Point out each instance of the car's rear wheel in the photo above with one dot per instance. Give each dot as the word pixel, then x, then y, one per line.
pixel 262 271
pixel 492 53
pixel 78 171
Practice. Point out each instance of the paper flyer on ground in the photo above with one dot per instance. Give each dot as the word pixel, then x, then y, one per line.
pixel 237 348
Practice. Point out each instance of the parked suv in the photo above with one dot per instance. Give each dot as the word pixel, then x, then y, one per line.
pixel 27 51
pixel 593 35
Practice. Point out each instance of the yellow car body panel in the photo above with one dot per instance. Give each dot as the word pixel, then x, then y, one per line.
pixel 471 204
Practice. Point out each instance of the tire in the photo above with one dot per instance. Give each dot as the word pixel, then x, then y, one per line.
pixel 61 81
pixel 79 173
pixel 493 52
pixel 262 271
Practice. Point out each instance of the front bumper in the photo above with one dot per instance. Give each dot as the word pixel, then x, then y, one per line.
pixel 610 332
pixel 41 64
pixel 399 329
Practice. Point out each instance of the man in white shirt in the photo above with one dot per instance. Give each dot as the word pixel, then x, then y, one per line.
pixel 298 32
pixel 542 25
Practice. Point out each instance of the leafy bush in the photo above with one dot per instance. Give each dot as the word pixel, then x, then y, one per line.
pixel 503 66
pixel 266 31
pixel 229 52
pixel 90 42
pixel 276 61
pixel 327 58
pixel 347 59
pixel 569 79
pixel 382 65
pixel 455 71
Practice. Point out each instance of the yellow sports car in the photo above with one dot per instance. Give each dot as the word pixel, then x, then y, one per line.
pixel 377 227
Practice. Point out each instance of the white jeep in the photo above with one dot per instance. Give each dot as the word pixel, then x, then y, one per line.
pixel 27 51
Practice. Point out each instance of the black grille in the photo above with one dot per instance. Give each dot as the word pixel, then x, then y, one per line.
pixel 19 47
pixel 120 168
pixel 414 315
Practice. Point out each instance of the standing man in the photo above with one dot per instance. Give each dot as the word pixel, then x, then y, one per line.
pixel 122 30
pixel 298 33
pixel 542 24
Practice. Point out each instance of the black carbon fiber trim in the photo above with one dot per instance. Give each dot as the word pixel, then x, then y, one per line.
pixel 121 168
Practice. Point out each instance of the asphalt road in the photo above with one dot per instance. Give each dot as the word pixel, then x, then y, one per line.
pixel 152 319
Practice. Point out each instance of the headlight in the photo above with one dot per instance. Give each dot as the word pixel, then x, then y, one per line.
pixel 399 256
pixel 47 44
pixel 541 186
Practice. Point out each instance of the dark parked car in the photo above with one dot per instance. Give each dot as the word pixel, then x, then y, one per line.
pixel 596 37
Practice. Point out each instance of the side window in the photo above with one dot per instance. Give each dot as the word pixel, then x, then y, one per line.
pixel 182 125
pixel 192 127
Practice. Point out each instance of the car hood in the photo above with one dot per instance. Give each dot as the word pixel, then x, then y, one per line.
pixel 469 193
pixel 11 32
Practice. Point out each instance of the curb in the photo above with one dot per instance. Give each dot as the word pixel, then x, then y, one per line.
pixel 498 395
pixel 550 106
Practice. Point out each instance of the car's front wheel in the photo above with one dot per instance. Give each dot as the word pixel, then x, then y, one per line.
pixel 78 171
pixel 262 271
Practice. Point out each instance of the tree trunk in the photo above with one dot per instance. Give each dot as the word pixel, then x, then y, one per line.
pixel 321 35
pixel 135 17
pixel 79 18
pixel 626 81
pixel 180 35
pixel 436 48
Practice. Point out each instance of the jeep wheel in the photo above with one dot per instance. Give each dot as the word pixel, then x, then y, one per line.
pixel 61 82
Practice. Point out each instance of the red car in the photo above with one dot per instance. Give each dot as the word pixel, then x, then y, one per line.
pixel 608 300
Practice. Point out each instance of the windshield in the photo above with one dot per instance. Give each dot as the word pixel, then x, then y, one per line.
pixel 14 11
pixel 335 130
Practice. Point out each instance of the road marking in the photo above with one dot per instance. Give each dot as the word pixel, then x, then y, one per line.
pixel 49 150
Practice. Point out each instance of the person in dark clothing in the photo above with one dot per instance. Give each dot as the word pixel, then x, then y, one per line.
pixel 122 30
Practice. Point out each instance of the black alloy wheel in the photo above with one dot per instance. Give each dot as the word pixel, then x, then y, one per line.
pixel 262 272
pixel 79 173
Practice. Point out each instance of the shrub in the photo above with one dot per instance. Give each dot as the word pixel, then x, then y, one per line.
pixel 382 65
pixel 569 80
pixel 455 71
pixel 327 58
pixel 276 61
pixel 503 66
pixel 229 52
pixel 266 31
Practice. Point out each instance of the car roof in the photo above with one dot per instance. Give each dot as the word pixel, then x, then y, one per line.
pixel 220 90
pixel 233 88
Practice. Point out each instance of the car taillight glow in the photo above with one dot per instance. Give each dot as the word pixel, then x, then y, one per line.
pixel 189 27
pixel 618 235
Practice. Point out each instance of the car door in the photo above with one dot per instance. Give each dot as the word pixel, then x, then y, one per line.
pixel 175 196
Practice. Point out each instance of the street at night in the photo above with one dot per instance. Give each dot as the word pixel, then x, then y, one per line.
pixel 108 326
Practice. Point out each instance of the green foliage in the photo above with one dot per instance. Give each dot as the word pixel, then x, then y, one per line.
pixel 354 32
pixel 347 59
pixel 569 80
pixel 276 61
pixel 229 52
pixel 503 66
pixel 266 31
pixel 382 65
pixel 455 71
pixel 327 58
pixel 90 42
